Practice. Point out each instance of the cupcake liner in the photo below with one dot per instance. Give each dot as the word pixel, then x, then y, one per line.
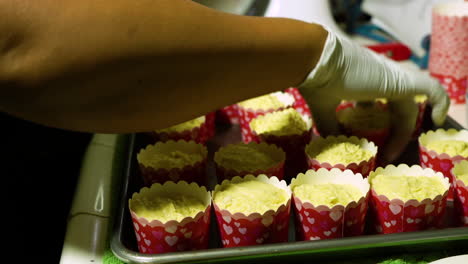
pixel 364 167
pixel 302 107
pixel 154 237
pixel 377 135
pixel 189 173
pixel 294 147
pixel 198 134
pixel 461 193
pixel 419 120
pixel 396 215
pixel 208 127
pixel 441 161
pixel 315 222
pixel 238 229
pixel 247 114
pixel 228 115
pixel 277 170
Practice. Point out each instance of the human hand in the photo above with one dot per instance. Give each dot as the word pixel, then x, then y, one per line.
pixel 347 71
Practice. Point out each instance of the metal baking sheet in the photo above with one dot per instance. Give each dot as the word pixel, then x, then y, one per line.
pixel 124 246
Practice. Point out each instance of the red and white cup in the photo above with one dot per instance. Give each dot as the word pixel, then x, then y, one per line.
pixel 225 172
pixel 247 114
pixel 300 104
pixel 200 134
pixel 461 193
pixel 378 135
pixel 195 172
pixel 397 215
pixel 448 54
pixel 364 167
pixel 191 233
pixel 317 221
pixel 228 115
pixel 441 161
pixel 238 229
pixel 292 144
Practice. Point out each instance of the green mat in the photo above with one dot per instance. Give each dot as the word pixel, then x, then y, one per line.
pixel 110 258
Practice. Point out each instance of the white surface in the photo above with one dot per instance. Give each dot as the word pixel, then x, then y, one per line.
pixel 461 259
pixel 85 239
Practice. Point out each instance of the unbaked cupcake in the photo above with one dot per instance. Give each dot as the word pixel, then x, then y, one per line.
pixel 171 217
pixel 249 109
pixel 342 152
pixel 460 180
pixel 173 161
pixel 329 204
pixel 407 198
pixel 253 158
pixel 289 130
pixel 198 130
pixel 441 149
pixel 252 210
pixel 370 120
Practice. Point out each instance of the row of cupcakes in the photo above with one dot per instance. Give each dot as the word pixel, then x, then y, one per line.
pixel 254 210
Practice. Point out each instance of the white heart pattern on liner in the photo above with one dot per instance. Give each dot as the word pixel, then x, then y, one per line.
pixel 336 215
pixel 143 235
pixel 227 218
pixel 462 199
pixel 311 220
pixel 306 229
pixel 387 224
pixel 333 229
pixel 314 238
pixel 396 209
pixel 227 229
pixel 143 249
pixel 148 242
pixel 466 219
pixel 409 220
pixel 171 229
pixel 306 213
pixel 236 240
pixel 393 222
pixel 137 227
pixel 429 208
pixel 237 224
pixel 424 158
pixel 327 233
pixel 243 230
pixel 259 240
pixel 266 221
pixel 171 240
pixel 298 206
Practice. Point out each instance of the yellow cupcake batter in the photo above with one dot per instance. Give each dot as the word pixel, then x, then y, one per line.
pixel 173 159
pixel 166 208
pixel 463 178
pixel 189 125
pixel 250 196
pixel 451 147
pixel 269 101
pixel 327 194
pixel 242 157
pixel 280 123
pixel 407 187
pixel 364 117
pixel 339 152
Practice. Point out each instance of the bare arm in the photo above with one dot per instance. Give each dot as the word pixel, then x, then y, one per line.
pixel 129 66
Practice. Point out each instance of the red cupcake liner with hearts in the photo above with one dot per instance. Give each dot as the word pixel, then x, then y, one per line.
pixel 440 161
pixel 396 215
pixel 190 173
pixel 237 229
pixel 456 87
pixel 461 202
pixel 378 136
pixel 448 56
pixel 228 115
pixel 200 134
pixel 419 120
pixel 294 147
pixel 227 174
pixel 302 107
pixel 155 237
pixel 364 167
pixel 316 222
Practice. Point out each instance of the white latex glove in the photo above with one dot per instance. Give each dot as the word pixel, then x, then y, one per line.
pixel 351 72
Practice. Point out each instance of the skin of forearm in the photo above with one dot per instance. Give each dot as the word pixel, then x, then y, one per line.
pixel 118 66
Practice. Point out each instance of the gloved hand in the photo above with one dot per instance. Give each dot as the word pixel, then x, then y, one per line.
pixel 348 71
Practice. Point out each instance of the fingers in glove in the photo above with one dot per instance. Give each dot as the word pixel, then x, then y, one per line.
pixel 404 113
pixel 323 109
pixel 440 102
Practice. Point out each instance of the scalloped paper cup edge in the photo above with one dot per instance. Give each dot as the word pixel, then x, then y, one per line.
pixel 442 134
